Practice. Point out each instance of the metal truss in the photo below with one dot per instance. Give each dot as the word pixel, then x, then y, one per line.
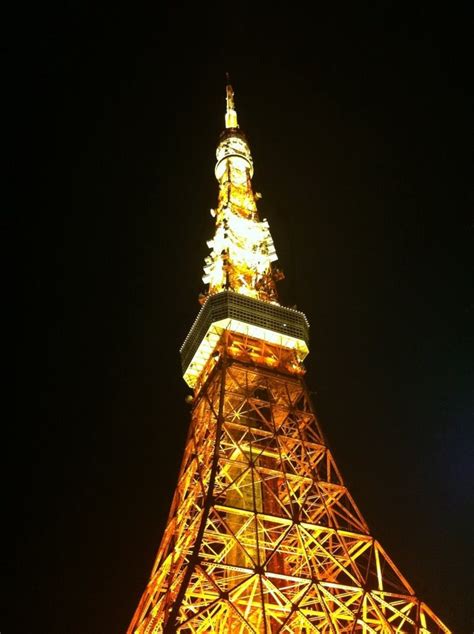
pixel 263 535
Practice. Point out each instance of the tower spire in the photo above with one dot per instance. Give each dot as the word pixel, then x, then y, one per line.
pixel 242 249
pixel 231 114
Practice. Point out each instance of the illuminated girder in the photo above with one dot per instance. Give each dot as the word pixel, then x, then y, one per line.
pixel 263 536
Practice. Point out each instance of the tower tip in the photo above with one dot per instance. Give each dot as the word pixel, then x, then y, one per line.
pixel 231 114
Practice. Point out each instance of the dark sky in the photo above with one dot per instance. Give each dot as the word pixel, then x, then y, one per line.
pixel 360 126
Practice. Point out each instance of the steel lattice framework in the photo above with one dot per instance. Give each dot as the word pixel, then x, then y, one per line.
pixel 263 535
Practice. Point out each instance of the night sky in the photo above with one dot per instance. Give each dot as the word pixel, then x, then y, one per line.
pixel 360 125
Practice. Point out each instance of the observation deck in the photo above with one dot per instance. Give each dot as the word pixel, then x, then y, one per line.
pixel 235 312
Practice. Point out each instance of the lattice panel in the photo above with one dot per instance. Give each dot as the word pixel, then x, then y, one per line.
pixel 263 535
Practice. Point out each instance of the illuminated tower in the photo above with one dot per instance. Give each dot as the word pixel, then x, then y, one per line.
pixel 262 535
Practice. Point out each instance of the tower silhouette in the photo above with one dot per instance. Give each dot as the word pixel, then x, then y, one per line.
pixel 262 535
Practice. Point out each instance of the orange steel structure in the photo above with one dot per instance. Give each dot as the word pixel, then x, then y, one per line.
pixel 263 535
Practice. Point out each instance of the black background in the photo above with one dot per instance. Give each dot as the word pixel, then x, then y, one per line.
pixel 359 120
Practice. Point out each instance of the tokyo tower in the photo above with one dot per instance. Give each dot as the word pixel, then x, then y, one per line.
pixel 263 535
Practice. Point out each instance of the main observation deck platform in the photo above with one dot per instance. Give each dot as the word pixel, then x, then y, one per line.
pixel 285 327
